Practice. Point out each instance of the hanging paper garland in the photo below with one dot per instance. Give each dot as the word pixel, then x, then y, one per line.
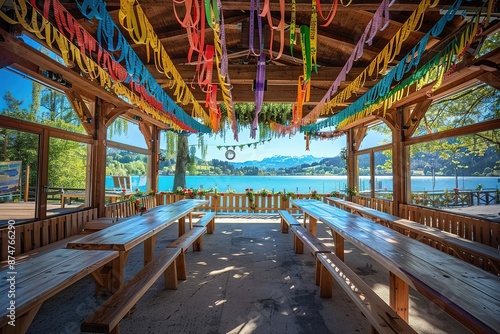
pixel 373 26
pixel 135 67
pixel 368 103
pixel 72 54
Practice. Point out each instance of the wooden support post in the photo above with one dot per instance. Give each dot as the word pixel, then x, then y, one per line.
pixel 399 296
pixel 27 184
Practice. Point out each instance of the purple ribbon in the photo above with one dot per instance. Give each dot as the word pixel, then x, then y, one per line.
pixel 254 7
pixel 259 92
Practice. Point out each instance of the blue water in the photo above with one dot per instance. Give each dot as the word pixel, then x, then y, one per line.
pixel 322 184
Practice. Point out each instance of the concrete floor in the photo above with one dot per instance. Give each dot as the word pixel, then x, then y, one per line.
pixel 246 279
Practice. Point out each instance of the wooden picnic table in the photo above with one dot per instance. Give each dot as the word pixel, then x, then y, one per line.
pixel 481 255
pixel 31 282
pixel 131 231
pixel 469 294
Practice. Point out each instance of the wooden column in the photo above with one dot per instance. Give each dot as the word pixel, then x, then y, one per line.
pixel 43 175
pixel 155 158
pixel 399 164
pixel 98 182
pixel 351 161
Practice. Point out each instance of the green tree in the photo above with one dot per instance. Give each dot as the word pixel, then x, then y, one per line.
pixel 181 162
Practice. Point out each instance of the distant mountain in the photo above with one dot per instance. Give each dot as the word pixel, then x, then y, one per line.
pixel 278 161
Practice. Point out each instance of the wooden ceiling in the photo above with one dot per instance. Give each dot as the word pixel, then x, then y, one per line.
pixel 335 43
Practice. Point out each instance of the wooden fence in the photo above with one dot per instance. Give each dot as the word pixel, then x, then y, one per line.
pixel 467 227
pixel 241 203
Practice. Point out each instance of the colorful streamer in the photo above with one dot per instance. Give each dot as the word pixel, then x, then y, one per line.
pixel 381 97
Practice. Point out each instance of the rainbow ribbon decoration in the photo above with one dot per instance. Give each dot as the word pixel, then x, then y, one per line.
pixel 143 33
pixel 382 96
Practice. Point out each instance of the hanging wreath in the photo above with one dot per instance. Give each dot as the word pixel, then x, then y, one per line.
pixel 230 154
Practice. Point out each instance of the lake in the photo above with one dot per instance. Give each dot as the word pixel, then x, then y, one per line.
pixel 323 184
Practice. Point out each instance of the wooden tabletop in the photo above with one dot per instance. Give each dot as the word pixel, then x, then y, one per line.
pixel 41 277
pixel 460 288
pixel 133 230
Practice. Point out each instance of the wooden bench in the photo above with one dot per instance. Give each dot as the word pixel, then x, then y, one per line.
pixel 380 315
pixel 483 256
pixel 302 237
pixel 41 276
pixel 115 308
pixel 191 237
pixel 207 220
pixel 287 220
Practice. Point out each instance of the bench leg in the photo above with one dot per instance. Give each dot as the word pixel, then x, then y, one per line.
pixel 298 245
pixel 182 226
pixel 170 276
pixel 317 274
pixel 211 226
pixel 325 282
pixel 284 226
pixel 181 266
pixel 399 296
pixel 198 244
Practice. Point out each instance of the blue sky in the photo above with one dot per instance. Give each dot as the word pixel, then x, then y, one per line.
pixel 294 146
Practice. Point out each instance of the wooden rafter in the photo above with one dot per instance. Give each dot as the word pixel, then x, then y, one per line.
pixel 84 114
pixel 148 134
pixel 412 120
pixel 359 134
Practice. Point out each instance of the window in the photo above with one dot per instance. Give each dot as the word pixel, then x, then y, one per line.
pixel 18 175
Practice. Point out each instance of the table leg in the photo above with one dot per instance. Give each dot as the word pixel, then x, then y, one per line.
pixel 118 276
pixel 312 225
pixel 62 201
pixel 399 296
pixel 149 249
pixel 190 220
pixel 182 226
pixel 23 322
pixel 339 245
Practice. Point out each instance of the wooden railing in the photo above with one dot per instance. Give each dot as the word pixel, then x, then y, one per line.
pixel 129 208
pixel 32 235
pixel 467 227
pixel 241 203
pixel 374 203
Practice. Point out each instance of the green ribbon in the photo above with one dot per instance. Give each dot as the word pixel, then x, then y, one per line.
pixel 306 51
